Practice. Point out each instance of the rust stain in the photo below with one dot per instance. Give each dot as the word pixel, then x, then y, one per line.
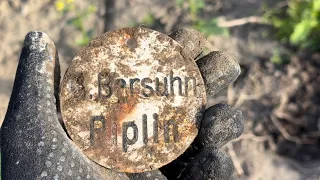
pixel 125 108
pixel 120 111
pixel 124 38
pixel 96 52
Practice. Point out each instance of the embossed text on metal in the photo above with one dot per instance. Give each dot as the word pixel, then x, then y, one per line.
pixel 130 100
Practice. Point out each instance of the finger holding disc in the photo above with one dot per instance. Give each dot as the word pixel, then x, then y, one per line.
pixel 191 40
pixel 218 70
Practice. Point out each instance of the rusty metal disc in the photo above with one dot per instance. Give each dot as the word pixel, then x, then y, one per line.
pixel 131 98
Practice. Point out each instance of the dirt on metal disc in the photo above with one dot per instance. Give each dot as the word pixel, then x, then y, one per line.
pixel 131 100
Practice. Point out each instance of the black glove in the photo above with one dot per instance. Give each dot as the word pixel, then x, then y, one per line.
pixel 34 145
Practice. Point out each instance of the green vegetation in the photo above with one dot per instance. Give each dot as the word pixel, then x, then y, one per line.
pixel 298 24
pixel 78 20
pixel 206 26
pixel 278 58
pixel 193 8
pixel 149 19
pixel 210 27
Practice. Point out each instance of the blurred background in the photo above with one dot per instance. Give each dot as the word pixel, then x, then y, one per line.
pixel 277 43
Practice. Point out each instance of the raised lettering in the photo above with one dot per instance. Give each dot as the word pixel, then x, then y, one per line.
pixel 172 79
pixel 155 128
pixel 167 131
pixel 150 89
pixel 145 128
pixel 94 127
pixel 194 86
pixel 104 89
pixel 132 81
pixel 122 88
pixel 165 87
pixel 125 140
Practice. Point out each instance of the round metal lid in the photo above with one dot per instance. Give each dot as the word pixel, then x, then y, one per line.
pixel 131 100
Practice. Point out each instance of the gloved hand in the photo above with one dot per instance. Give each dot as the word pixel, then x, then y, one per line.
pixel 34 145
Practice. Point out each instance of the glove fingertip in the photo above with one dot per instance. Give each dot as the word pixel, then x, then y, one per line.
pixel 221 124
pixel 218 70
pixel 211 163
pixel 192 41
pixel 151 175
pixel 36 38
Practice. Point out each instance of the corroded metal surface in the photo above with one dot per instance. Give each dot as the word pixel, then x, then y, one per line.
pixel 131 99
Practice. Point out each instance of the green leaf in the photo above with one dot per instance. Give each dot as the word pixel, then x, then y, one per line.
pixel 316 5
pixel 85 39
pixel 149 19
pixel 82 41
pixel 301 32
pixel 195 6
pixel 77 22
pixel 211 28
pixel 298 24
pixel 92 8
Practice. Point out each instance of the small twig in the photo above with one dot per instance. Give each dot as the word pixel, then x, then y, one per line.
pixel 221 99
pixel 288 117
pixel 235 160
pixel 251 137
pixel 244 97
pixel 286 134
pixel 241 21
pixel 230 95
pixel 272 144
